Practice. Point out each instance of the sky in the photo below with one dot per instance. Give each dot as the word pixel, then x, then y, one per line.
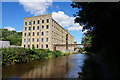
pixel 14 12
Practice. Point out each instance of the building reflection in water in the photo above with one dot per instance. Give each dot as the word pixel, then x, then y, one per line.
pixel 56 68
pixel 61 67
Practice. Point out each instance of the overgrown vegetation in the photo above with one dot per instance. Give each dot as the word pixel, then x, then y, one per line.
pixel 14 37
pixel 16 55
pixel 91 69
pixel 102 22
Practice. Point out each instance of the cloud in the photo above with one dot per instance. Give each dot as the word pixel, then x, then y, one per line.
pixel 63 19
pixel 18 31
pixel 66 21
pixel 36 7
pixel 74 28
pixel 9 28
pixel 85 31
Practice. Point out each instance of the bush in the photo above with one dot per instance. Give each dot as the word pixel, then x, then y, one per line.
pixel 16 55
pixel 57 53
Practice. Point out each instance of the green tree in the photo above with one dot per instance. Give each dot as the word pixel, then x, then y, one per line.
pixel 86 39
pixel 102 19
pixel 14 37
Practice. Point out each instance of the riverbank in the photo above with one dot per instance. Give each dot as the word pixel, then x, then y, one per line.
pixel 91 69
pixel 97 69
pixel 18 55
pixel 58 68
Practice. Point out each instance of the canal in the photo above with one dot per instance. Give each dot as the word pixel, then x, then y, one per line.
pixel 62 67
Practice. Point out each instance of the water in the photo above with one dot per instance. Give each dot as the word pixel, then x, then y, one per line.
pixel 62 67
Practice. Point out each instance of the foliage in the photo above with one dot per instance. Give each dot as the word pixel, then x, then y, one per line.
pixel 14 37
pixel 102 20
pixel 86 39
pixel 91 70
pixel 16 55
pixel 33 47
pixel 81 49
pixel 65 54
pixel 57 53
pixel 0 57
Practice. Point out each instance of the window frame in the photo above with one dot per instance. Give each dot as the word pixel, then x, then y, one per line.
pixel 24 40
pixel 42 33
pixel 33 39
pixel 46 32
pixel 42 26
pixel 47 46
pixel 42 39
pixel 42 21
pixel 37 46
pixel 29 34
pixel 37 39
pixel 46 39
pixel 38 21
pixel 28 39
pixel 47 26
pixel 38 27
pixel 25 28
pixel 29 28
pixel 47 21
pixel 33 27
pixel 33 22
pixel 29 22
pixel 33 33
pixel 42 46
pixel 24 46
pixel 25 23
pixel 25 34
pixel 28 46
pixel 37 33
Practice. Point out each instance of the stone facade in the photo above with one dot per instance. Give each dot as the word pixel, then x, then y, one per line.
pixel 43 32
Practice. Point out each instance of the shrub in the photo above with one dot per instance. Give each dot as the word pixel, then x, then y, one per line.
pixel 16 55
pixel 57 53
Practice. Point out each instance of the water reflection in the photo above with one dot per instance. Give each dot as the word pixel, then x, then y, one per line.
pixel 62 67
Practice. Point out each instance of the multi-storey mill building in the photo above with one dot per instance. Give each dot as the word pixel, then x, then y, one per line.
pixel 43 32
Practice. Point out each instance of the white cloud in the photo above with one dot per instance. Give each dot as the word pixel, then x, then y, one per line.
pixel 84 31
pixel 19 31
pixel 66 21
pixel 9 28
pixel 63 19
pixel 74 28
pixel 36 7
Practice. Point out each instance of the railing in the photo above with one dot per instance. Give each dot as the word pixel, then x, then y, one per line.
pixel 71 45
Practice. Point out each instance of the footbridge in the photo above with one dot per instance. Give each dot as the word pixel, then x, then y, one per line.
pixel 69 46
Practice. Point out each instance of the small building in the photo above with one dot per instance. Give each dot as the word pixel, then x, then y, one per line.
pixel 4 44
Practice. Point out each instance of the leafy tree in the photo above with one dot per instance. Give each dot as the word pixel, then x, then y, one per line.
pixel 14 37
pixel 86 39
pixel 102 19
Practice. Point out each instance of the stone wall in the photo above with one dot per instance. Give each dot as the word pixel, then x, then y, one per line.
pixel 4 44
